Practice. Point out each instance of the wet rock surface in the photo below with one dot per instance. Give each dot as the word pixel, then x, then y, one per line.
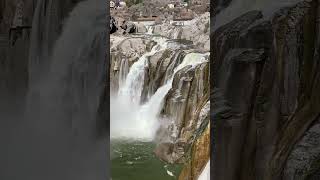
pixel 29 31
pixel 124 52
pixel 268 72
pixel 185 108
pixel 16 49
pixel 200 155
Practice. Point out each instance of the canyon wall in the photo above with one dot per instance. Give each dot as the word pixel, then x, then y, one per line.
pixel 52 74
pixel 28 30
pixel 266 69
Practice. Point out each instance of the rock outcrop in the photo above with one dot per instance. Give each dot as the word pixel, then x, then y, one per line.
pixel 27 28
pixel 266 66
pixel 196 30
pixel 124 52
pixel 186 129
pixel 113 26
pixel 200 155
pixel 121 26
pixel 128 27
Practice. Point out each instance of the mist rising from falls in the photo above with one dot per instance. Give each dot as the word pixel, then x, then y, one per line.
pixel 126 120
pixel 62 109
pixel 129 118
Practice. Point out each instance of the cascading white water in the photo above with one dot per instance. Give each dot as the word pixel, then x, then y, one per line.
pixel 150 29
pixel 125 121
pixel 129 118
pixel 124 70
pixel 63 116
pixel 132 88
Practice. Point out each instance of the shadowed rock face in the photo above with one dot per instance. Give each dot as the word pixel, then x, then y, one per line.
pixel 43 19
pixel 113 27
pixel 51 140
pixel 267 71
pixel 121 26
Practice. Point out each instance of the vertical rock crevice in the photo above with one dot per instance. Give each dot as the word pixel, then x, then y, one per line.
pixel 279 78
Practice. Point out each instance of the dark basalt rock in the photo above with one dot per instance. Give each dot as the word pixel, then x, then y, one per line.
pixel 113 26
pixel 269 74
pixel 122 26
pixel 128 27
pixel 303 161
pixel 16 48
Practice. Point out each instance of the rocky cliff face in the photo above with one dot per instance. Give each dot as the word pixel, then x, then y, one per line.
pixel 196 31
pixel 29 123
pixel 266 66
pixel 40 22
pixel 185 111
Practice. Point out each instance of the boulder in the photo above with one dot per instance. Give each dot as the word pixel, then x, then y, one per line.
pixel 128 27
pixel 113 26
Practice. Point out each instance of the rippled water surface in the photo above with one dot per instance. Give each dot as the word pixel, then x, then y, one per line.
pixel 136 161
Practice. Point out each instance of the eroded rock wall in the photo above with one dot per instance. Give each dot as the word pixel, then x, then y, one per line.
pixel 268 72
pixel 28 30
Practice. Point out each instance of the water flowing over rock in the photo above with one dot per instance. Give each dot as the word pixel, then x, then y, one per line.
pixel 184 103
pixel 266 64
pixel 39 25
pixel 62 133
pixel 124 52
pixel 167 82
pixel 143 84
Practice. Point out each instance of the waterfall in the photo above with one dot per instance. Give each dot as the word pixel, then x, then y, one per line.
pixel 133 86
pixel 150 29
pixel 124 70
pixel 63 116
pixel 129 118
pixel 125 107
pixel 174 33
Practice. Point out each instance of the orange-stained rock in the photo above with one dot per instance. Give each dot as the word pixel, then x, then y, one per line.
pixel 199 157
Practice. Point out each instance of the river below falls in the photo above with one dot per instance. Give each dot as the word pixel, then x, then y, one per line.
pixel 136 161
